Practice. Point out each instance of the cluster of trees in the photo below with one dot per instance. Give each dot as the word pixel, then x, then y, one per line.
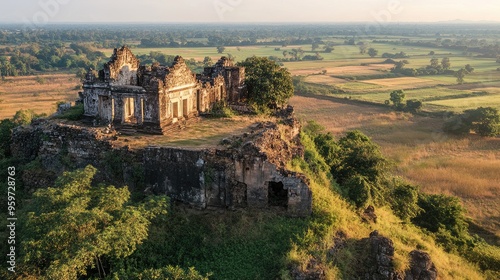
pixel 398 97
pixel 484 121
pixel 21 61
pixel 395 55
pixel 435 68
pixel 297 54
pixel 467 45
pixel 42 57
pixel 460 74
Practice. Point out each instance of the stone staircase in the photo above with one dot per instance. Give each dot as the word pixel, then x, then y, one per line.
pixel 127 129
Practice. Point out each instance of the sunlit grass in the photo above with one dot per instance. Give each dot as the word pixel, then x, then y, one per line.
pixel 421 152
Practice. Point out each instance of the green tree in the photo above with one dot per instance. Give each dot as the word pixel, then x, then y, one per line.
pixel 358 155
pixel 460 75
pixel 413 105
pixel 327 147
pixel 328 49
pixel 441 211
pixel 372 52
pixel 23 117
pixel 457 125
pixel 207 61
pixel 221 49
pixel 485 121
pixel 397 98
pixel 404 201
pixel 359 168
pixel 398 66
pixel 268 84
pixel 315 46
pixel 469 68
pixel 435 63
pixel 361 191
pixel 74 227
pixel 6 127
pixel 362 48
pixel 445 63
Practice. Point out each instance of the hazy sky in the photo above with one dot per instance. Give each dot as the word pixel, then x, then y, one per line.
pixel 43 11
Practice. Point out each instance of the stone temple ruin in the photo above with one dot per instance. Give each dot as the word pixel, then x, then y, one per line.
pixel 242 171
pixel 152 98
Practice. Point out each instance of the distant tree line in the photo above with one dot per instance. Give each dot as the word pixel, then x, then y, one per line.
pixel 473 45
pixel 25 60
pixel 28 60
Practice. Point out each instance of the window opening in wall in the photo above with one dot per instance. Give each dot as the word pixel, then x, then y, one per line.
pixel 175 109
pixel 129 110
pixel 185 110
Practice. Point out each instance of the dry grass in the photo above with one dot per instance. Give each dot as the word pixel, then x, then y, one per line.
pixel 40 93
pixel 421 152
pixel 204 134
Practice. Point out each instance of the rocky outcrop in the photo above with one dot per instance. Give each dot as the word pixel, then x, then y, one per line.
pixel 313 271
pixel 245 171
pixel 373 259
pixel 421 267
pixel 382 255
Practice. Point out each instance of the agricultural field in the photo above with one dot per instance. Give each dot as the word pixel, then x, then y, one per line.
pixel 38 93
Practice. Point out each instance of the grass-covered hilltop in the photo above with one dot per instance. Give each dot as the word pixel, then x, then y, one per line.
pixel 392 133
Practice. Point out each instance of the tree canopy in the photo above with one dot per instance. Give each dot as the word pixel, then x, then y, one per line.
pixel 268 84
pixel 372 52
pixel 73 227
pixel 485 121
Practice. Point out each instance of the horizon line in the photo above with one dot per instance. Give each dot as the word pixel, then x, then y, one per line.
pixel 458 21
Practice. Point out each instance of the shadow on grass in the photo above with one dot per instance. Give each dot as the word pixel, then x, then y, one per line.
pixel 231 245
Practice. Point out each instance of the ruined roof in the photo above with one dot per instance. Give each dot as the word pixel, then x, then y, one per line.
pixel 120 57
pixel 224 62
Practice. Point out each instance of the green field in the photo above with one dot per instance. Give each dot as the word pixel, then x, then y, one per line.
pixel 366 78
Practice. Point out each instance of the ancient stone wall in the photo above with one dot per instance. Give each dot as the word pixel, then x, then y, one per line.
pixel 246 171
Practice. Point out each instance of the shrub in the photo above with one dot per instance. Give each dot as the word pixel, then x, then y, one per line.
pixel 404 201
pixel 74 113
pixel 456 125
pixel 441 212
pixel 360 191
pixel 413 105
pixel 485 121
pixel 220 110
